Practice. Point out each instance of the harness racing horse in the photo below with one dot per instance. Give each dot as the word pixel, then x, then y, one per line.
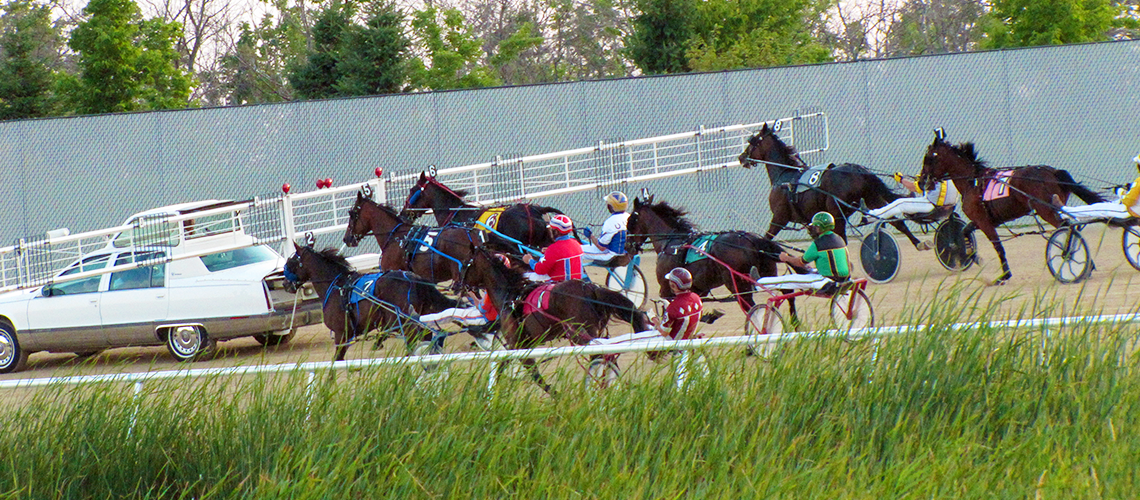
pixel 992 197
pixel 523 222
pixel 671 234
pixel 350 311
pixel 436 254
pixel 838 189
pixel 531 314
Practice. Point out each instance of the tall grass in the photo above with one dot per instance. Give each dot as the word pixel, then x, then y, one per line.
pixel 935 414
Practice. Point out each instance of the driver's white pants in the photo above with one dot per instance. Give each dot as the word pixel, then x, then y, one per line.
pixel 465 316
pixel 903 206
pixel 593 253
pixel 810 281
pixel 533 276
pixel 1104 210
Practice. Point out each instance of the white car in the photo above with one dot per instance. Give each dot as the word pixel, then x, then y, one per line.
pixel 188 304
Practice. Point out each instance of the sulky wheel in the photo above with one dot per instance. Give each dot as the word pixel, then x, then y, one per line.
pixel 950 245
pixel 762 319
pixel 603 372
pixel 880 256
pixel 1130 241
pixel 851 309
pixel 633 288
pixel 1067 255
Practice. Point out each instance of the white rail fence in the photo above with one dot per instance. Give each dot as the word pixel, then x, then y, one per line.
pixel 1045 324
pixel 279 219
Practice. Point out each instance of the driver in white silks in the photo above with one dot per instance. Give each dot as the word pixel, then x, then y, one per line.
pixel 476 319
pixel 1126 206
pixel 942 194
pixel 611 243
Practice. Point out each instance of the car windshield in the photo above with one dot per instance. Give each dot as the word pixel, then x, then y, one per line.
pixel 235 258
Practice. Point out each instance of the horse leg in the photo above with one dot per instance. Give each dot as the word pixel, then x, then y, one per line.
pixel 991 233
pixel 743 289
pixel 919 245
pixel 532 367
pixel 793 318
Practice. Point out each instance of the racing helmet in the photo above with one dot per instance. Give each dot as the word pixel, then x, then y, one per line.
pixel 561 224
pixel 823 221
pixel 681 277
pixel 617 201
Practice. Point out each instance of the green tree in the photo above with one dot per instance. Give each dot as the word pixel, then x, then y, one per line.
pixel 660 35
pixel 126 63
pixel 587 38
pixel 375 59
pixel 317 77
pixel 1027 23
pixel 27 43
pixel 455 55
pixel 508 59
pixel 754 33
pixel 256 69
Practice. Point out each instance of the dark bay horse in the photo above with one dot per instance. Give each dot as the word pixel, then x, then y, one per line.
pixel 334 279
pixel 402 244
pixel 839 190
pixel 578 311
pixel 1020 190
pixel 670 233
pixel 523 222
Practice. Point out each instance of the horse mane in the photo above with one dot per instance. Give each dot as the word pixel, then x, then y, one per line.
pixel 674 217
pixel 966 150
pixel 333 256
pixel 514 280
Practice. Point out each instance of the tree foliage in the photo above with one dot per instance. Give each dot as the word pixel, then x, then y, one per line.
pixel 126 63
pixel 936 27
pixel 660 35
pixel 454 57
pixel 27 57
pixel 1027 23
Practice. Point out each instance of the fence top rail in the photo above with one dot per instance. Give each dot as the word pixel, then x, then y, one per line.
pixel 553 352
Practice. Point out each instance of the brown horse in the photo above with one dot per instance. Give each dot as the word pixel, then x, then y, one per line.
pixel 399 296
pixel 578 311
pixel 838 190
pixel 523 222
pixel 1023 190
pixel 436 254
pixel 671 234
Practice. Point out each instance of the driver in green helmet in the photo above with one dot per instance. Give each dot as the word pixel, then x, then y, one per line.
pixel 827 253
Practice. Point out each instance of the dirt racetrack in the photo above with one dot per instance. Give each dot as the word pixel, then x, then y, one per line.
pixel 917 283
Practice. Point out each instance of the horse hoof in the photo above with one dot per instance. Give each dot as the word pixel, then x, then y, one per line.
pixel 924 246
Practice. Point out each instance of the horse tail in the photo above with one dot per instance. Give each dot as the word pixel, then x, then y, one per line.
pixel 616 304
pixel 1085 194
pixel 424 297
pixel 880 193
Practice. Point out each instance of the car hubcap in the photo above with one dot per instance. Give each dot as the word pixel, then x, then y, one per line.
pixel 7 350
pixel 186 340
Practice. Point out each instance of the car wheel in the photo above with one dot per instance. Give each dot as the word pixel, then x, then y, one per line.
pixel 188 343
pixel 270 339
pixel 12 357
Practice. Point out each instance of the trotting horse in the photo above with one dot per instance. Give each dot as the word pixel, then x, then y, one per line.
pixel 575 310
pixel 671 234
pixel 991 197
pixel 839 189
pixel 436 254
pixel 523 222
pixel 351 314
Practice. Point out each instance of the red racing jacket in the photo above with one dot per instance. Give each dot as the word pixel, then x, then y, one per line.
pixel 682 316
pixel 562 260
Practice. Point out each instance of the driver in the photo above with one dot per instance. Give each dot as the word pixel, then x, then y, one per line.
pixel 562 260
pixel 827 252
pixel 1126 206
pixel 611 242
pixel 941 194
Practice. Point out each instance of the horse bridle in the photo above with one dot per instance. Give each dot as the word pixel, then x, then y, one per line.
pixel 353 216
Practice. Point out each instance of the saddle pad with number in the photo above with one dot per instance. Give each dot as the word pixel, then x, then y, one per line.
pixel 490 217
pixel 702 243
pixel 363 288
pixel 538 299
pixel 811 177
pixel 419 239
pixel 997 186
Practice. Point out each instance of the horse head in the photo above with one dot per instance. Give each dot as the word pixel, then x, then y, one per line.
pixel 296 273
pixel 944 160
pixel 358 225
pixel 368 217
pixel 636 233
pixel 419 198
